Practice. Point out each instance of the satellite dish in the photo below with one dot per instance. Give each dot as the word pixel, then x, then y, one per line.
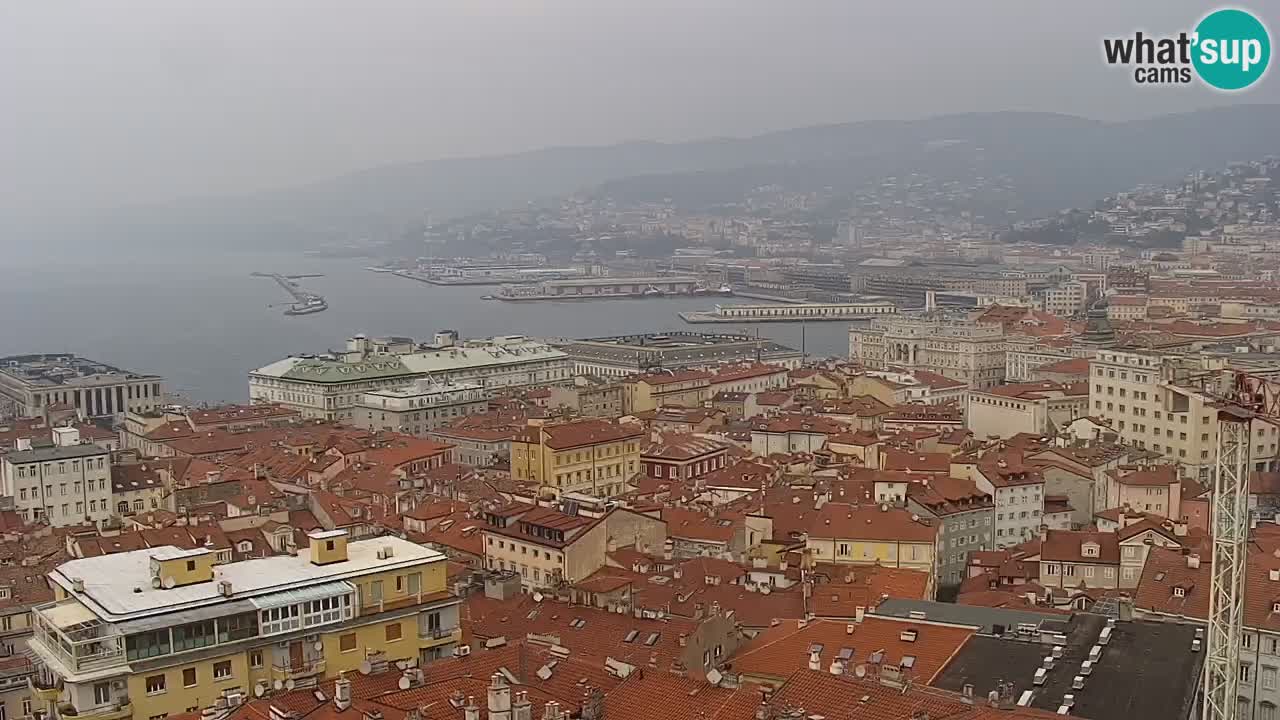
pixel 365 667
pixel 279 684
pixel 259 690
pixel 714 677
pixel 288 684
pixel 537 597
pixel 319 645
pixel 860 671
pixel 155 583
pixel 403 683
pixel 169 582
pixel 764 590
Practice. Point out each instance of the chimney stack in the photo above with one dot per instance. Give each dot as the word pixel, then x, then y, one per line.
pixel 522 709
pixel 341 693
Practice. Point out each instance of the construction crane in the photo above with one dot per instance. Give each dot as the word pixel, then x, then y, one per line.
pixel 1247 397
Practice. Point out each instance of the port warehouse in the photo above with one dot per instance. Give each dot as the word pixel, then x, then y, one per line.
pixel 622 355
pixel 805 311
pixel 593 287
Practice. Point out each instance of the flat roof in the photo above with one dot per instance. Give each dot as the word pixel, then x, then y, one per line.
pixel 1147 670
pixel 118 586
pixel 981 617
pixel 410 365
pixel 44 370
pixel 55 452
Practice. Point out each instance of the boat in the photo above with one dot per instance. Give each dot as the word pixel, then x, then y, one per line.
pixel 380 269
pixel 486 297
pixel 700 289
pixel 725 289
pixel 651 291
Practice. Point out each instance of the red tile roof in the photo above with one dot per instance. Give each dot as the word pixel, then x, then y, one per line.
pixel 778 651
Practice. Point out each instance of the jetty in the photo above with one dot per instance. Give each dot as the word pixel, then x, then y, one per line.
pixel 304 302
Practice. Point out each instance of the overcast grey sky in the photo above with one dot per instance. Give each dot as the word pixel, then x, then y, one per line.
pixel 126 101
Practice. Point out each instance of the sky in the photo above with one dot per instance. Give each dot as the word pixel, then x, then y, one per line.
pixel 140 101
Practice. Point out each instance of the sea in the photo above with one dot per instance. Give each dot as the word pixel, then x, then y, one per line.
pixel 203 322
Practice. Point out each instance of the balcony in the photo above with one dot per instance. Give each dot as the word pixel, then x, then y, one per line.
pixel 307 668
pixel 439 636
pixel 122 709
pixel 71 634
pixel 43 690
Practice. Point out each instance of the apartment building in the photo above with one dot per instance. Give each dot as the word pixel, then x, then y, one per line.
pixel 683 388
pixel 1033 408
pixel 872 535
pixel 68 483
pixel 683 457
pixel 589 396
pixel 1071 559
pixel 331 386
pixel 1018 492
pixel 164 631
pixel 593 456
pixel 964 516
pixel 957 348
pixel 1156 489
pixel 1021 358
pixel 547 547
pixel 1156 401
pixel 1067 299
pixel 419 408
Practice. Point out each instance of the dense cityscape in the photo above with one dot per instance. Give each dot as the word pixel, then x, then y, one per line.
pixel 1009 499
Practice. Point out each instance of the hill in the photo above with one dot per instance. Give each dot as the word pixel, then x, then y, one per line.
pixel 1053 161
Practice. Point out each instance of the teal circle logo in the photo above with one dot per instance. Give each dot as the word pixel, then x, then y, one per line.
pixel 1232 49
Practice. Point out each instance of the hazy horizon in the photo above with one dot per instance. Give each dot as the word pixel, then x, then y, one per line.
pixel 141 102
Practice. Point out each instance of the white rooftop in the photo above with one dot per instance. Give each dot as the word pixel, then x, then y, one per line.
pixel 118 587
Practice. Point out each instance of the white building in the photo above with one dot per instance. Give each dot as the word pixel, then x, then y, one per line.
pixel 64 484
pixel 954 347
pixel 331 386
pixel 420 408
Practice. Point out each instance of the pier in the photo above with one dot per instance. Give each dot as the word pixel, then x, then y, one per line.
pixel 304 302
pixel 791 313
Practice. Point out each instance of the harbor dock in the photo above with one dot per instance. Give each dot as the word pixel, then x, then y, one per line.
pixel 796 312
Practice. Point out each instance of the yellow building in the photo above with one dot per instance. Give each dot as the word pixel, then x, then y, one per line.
pixel 595 457
pixel 684 388
pixel 161 631
pixel 872 535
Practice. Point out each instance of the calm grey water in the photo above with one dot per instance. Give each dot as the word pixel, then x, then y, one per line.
pixel 204 323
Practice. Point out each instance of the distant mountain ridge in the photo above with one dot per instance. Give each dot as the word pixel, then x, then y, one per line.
pixel 1055 160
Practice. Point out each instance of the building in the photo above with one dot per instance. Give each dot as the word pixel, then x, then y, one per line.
pixel 593 456
pixel 623 355
pixel 683 388
pixel 872 535
pixel 1067 299
pixel 1033 408
pixel 588 396
pixel 160 631
pixel 683 457
pixel 957 348
pixel 331 386
pixel 68 483
pixel 1018 491
pixel 964 516
pixel 547 547
pixel 1158 402
pixel 1079 559
pixel 29 384
pixel 419 408
pixel 1155 489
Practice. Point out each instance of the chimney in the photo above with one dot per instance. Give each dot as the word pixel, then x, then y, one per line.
pixel 24 443
pixel 470 711
pixel 499 697
pixel 341 693
pixel 522 709
pixel 551 711
pixel 1193 561
pixel 1180 528
pixel 815 660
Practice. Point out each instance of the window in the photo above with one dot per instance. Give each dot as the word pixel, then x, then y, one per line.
pixel 189 677
pixel 1268 677
pixel 101 693
pixel 1246 641
pixel 147 644
pixel 375 591
pixel 281 619
pixel 415 583
pixel 1246 671
pixel 347 642
pixel 155 684
pixel 393 631
pixel 222 670
pixel 255 658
